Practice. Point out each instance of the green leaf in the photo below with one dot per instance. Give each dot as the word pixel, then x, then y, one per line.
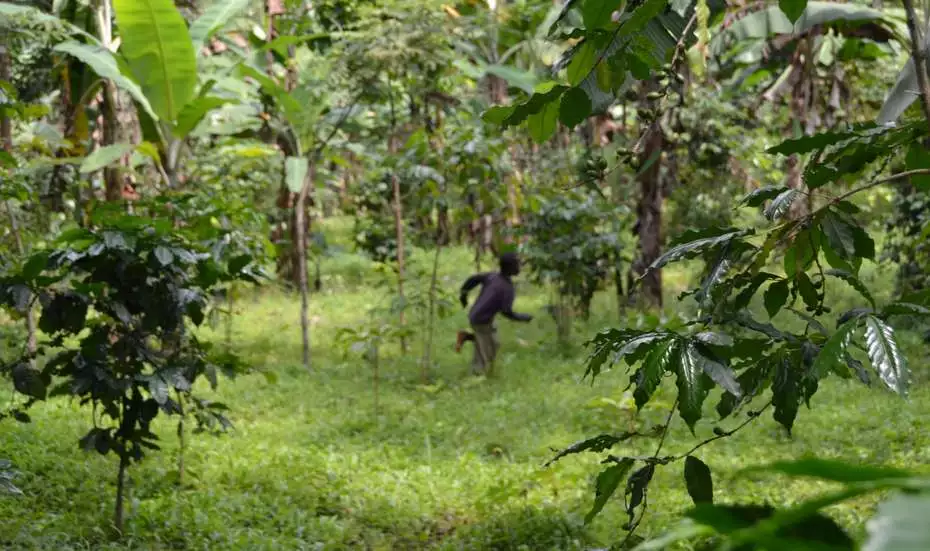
pixel 833 352
pixel 696 247
pixel 159 51
pixel 802 252
pixel 164 255
pixel 808 292
pixel 15 10
pixel 781 204
pixel 575 107
pixel 296 169
pixel 582 63
pixel 885 355
pixel 497 114
pixel 102 62
pixel 853 282
pixel 597 444
pixel 698 480
pixel 642 15
pixel 214 19
pixel 865 246
pixel 28 381
pixel 839 235
pixel 832 470
pixel 904 309
pixel 786 395
pixel 792 8
pixel 917 158
pixel 596 13
pixel 542 125
pixel 649 376
pixel 691 391
pixel 718 372
pixel 759 196
pixel 807 144
pixel 607 483
pixel 775 297
pixel 900 524
pixel 36 264
pixel 525 80
pixel 105 156
pixel 194 112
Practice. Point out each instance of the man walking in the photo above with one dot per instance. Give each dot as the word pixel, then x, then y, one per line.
pixel 496 296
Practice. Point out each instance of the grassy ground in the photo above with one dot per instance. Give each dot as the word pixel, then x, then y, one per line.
pixel 456 464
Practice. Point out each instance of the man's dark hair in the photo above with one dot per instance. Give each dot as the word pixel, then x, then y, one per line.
pixel 510 264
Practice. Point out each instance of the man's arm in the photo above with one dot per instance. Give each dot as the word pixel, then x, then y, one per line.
pixel 507 311
pixel 511 315
pixel 471 283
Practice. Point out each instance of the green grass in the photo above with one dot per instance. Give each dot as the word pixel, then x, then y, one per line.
pixel 455 465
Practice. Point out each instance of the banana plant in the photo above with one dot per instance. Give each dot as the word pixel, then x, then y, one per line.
pixel 154 60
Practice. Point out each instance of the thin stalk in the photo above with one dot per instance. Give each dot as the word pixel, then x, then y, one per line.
pixel 301 230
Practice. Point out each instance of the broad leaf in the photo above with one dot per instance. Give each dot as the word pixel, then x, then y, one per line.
pixel 102 62
pixel 28 381
pixel 159 51
pixel 607 483
pixel 757 197
pixel 902 94
pixel 696 247
pixel 543 124
pixel 597 444
pixel 649 376
pixel 296 169
pixel 792 8
pixel 839 235
pixel 691 390
pixel 575 107
pixel 596 13
pixel 104 157
pixel 905 309
pixel 853 282
pixel 718 372
pixel 214 19
pixel 786 395
pixel 642 15
pixel 698 480
pixel 832 470
pixel 900 524
pixel 781 204
pixel 775 297
pixel 833 352
pixel 582 63
pixel 885 355
pixel 194 112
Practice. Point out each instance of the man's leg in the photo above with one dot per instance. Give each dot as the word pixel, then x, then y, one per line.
pixel 494 345
pixel 483 349
pixel 461 338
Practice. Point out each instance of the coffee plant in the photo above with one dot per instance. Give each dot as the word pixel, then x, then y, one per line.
pixel 116 300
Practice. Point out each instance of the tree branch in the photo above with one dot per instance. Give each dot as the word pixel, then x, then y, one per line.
pixel 880 181
pixel 752 417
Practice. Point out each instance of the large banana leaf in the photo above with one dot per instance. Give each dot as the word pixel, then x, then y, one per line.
pixel 772 21
pixel 215 18
pixel 904 92
pixel 106 66
pixel 35 14
pixel 159 51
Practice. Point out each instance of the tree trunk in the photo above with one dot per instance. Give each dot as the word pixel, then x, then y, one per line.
pixel 433 287
pixel 120 490
pixel 301 246
pixel 650 215
pixel 113 187
pixel 399 230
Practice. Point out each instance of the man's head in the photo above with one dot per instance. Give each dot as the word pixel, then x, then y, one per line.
pixel 510 264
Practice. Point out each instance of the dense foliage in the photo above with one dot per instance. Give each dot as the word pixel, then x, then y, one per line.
pixel 157 158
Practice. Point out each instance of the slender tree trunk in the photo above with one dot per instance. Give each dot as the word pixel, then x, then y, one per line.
pixel 6 125
pixel 398 219
pixel 120 491
pixel 300 218
pixel 182 441
pixel 650 215
pixel 113 188
pixel 430 320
